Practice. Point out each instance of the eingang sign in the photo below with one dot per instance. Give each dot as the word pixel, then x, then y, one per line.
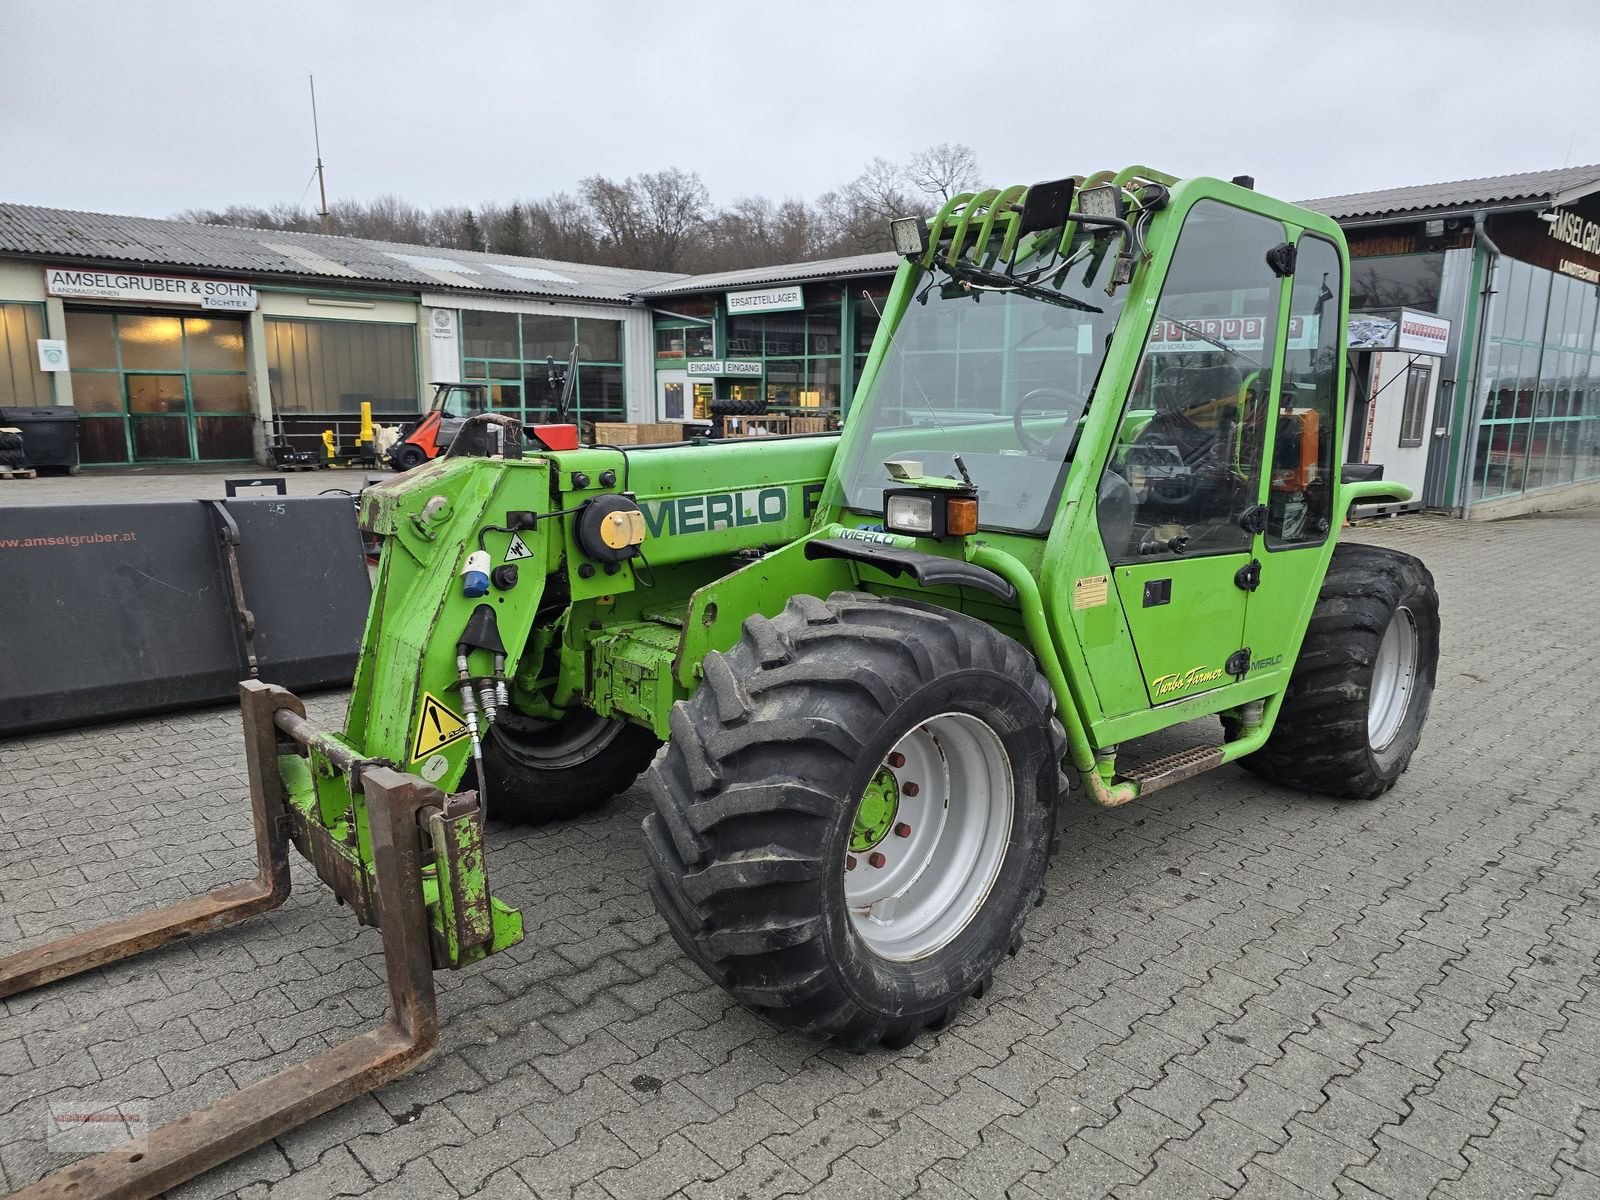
pixel 73 283
pixel 733 366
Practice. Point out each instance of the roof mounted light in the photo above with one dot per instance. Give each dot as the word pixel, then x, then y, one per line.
pixel 910 235
pixel 1103 201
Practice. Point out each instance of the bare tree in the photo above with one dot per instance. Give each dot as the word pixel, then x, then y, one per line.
pixel 944 169
pixel 675 206
pixel 647 221
pixel 562 229
pixel 614 209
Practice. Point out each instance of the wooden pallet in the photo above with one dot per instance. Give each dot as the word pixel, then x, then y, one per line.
pixel 770 424
pixel 18 473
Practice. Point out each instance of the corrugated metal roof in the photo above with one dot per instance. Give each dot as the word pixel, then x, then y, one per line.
pixel 826 268
pixel 1459 194
pixel 102 237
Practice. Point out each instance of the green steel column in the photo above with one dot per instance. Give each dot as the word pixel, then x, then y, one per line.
pixel 847 350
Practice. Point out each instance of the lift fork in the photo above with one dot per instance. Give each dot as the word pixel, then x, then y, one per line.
pixel 397 805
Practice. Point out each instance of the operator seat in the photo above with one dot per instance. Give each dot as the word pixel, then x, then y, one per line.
pixel 1195 406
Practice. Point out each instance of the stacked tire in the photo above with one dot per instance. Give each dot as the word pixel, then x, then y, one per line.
pixel 738 408
pixel 12 455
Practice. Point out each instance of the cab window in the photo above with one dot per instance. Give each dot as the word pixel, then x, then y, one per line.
pixel 1186 462
pixel 1300 498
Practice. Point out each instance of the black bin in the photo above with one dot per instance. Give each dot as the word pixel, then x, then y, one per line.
pixel 49 435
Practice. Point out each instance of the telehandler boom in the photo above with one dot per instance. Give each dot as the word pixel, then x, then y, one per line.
pixel 1088 491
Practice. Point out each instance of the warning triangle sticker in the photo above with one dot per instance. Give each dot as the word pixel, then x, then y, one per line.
pixel 517 549
pixel 438 728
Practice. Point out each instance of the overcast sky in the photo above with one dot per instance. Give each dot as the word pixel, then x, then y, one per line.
pixel 157 106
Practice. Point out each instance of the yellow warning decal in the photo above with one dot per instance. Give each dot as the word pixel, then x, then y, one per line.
pixel 1091 591
pixel 438 727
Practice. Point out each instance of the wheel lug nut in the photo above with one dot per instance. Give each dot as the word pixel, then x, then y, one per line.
pixel 876 859
pixel 897 760
pixel 902 830
pixel 908 789
pixel 849 862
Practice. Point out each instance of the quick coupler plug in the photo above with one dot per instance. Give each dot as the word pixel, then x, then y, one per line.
pixel 475 574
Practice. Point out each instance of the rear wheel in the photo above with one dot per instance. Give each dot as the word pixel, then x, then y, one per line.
pixel 542 771
pixel 1360 691
pixel 407 456
pixel 855 813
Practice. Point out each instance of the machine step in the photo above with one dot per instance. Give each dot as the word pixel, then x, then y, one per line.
pixel 1173 768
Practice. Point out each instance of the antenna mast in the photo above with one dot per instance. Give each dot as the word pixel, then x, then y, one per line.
pixel 316 134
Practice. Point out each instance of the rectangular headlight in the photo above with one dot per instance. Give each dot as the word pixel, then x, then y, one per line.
pixel 908 513
pixel 1103 201
pixel 910 236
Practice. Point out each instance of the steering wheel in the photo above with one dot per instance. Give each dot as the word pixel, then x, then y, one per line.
pixel 1026 440
pixel 1171 490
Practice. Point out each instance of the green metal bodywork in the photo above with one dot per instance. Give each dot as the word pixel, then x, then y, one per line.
pixel 726 527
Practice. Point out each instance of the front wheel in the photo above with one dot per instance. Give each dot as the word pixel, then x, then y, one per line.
pixel 1359 694
pixel 855 813
pixel 543 771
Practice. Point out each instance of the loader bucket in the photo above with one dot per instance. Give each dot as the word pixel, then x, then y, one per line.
pixel 400 808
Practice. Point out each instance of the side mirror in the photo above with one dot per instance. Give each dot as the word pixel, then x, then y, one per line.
pixel 1046 205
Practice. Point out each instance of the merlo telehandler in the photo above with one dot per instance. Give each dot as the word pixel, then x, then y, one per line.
pixel 1088 491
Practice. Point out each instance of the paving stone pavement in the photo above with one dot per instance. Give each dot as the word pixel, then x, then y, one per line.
pixel 1231 990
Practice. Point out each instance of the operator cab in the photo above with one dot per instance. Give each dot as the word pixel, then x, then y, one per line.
pixel 458 401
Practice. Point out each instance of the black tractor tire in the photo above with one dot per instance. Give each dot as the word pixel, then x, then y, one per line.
pixel 756 801
pixel 1323 739
pixel 540 772
pixel 738 408
pixel 406 456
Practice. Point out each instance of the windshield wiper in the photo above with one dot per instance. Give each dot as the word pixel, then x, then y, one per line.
pixel 1205 337
pixel 994 281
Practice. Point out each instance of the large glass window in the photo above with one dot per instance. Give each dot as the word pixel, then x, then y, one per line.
pixel 801 353
pixel 1418 376
pixel 512 354
pixel 22 384
pixel 684 340
pixel 1538 384
pixel 333 366
pixel 1000 377
pixel 1389 281
pixel 1187 459
pixel 156 388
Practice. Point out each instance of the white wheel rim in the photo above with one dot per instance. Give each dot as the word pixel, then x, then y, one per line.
pixel 1394 678
pixel 914 881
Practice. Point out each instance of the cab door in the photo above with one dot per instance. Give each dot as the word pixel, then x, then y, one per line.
pixel 1179 494
pixel 1302 452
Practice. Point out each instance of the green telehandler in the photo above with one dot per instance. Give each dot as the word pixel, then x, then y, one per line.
pixel 1088 492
